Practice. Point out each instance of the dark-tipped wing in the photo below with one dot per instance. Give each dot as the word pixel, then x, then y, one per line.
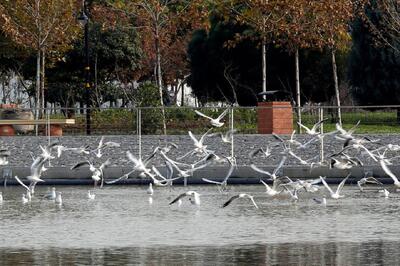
pixel 80 164
pixel 178 198
pixel 229 201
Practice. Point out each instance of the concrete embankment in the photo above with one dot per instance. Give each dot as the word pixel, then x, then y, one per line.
pixel 21 148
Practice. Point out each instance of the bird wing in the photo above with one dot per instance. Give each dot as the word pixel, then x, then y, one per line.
pixel 178 198
pixel 297 157
pixel 342 184
pixel 52 145
pixel 230 132
pixel 80 164
pixel 388 171
pixel 326 185
pixel 351 130
pixel 278 138
pixel 105 164
pixel 373 180
pixel 150 157
pixel 253 153
pixel 192 137
pixel 318 124
pixel 292 135
pixel 203 115
pixel 230 200
pixel 252 200
pixel 315 181
pixel 189 153
pixel 132 158
pixel 204 135
pixel 112 144
pixel 303 126
pixel 223 114
pixel 265 184
pixel 230 171
pixel 125 176
pixel 255 168
pixel 340 129
pixel 211 181
pixel 317 200
pixel 21 183
pixel 369 153
pixel 100 143
pixel 36 162
pixel 280 165
pixel 192 170
pixel 170 170
pixel 308 142
pixel 155 170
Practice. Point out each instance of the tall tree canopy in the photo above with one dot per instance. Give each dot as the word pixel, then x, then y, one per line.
pixel 374 70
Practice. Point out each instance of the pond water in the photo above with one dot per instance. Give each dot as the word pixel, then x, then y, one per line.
pixel 121 227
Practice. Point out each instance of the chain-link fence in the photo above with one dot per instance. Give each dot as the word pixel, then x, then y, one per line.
pixel 179 120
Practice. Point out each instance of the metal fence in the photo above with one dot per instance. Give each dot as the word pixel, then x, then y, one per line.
pixel 178 120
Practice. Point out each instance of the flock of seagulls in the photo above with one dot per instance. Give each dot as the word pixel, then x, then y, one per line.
pixel 200 156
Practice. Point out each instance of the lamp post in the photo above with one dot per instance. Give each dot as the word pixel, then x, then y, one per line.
pixel 84 21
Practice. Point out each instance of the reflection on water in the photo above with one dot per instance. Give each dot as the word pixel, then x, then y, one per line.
pixel 121 227
pixel 368 253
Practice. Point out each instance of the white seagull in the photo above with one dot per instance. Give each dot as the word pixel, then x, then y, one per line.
pixel 216 122
pixel 58 198
pixel 320 201
pixel 369 180
pixel 103 145
pixel 91 195
pixel 389 173
pixel 97 172
pixel 336 194
pixel 315 128
pixel 272 191
pixel 194 194
pixel 346 134
pixel 200 148
pixel 227 137
pixel 4 154
pixel 240 196
pixel 221 185
pixel 273 175
pixel 24 199
pixel 51 195
pixel 150 189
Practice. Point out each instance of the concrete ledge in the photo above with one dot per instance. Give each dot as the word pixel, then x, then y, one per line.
pixel 241 175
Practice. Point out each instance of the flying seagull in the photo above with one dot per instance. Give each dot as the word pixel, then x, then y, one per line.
pixel 240 196
pixel 216 122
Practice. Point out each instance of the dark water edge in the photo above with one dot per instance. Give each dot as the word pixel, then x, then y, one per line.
pixel 333 253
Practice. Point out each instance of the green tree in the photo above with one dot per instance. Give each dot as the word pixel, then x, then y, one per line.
pixel 46 26
pixel 374 69
pixel 115 55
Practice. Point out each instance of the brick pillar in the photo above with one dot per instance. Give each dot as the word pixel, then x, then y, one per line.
pixel 275 117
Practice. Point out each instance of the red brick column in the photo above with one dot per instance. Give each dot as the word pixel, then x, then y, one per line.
pixel 275 117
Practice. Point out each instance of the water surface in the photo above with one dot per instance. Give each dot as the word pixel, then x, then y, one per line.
pixel 121 227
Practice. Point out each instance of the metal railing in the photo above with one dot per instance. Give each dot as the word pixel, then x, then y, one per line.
pixel 179 120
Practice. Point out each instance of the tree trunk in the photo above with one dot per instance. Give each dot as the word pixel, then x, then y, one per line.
pixel 37 105
pixel 298 88
pixel 182 93
pixel 42 76
pixel 335 79
pixel 264 68
pixel 159 79
pixel 96 89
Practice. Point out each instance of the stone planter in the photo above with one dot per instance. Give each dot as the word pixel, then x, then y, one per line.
pixel 17 115
pixel 7 130
pixel 275 117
